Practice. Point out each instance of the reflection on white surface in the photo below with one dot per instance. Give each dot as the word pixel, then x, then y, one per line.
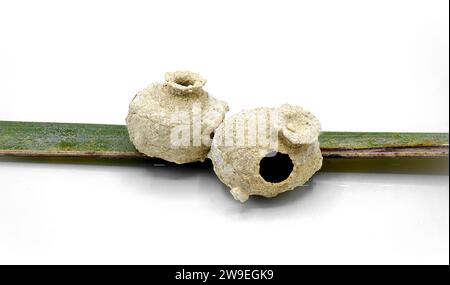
pixel 357 66
pixel 141 213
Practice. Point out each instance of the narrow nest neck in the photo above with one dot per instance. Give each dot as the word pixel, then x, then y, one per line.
pixel 184 82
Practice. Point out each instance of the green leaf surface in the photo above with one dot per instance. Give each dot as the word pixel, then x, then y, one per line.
pixel 95 140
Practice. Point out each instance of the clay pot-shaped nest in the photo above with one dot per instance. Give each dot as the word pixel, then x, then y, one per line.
pixel 266 151
pixel 174 120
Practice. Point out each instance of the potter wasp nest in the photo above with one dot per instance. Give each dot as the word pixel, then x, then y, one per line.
pixel 263 151
pixel 174 120
pixel 266 151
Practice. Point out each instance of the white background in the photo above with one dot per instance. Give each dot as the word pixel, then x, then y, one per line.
pixel 357 65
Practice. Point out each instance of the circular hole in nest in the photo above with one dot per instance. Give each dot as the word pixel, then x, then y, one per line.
pixel 275 167
pixel 184 81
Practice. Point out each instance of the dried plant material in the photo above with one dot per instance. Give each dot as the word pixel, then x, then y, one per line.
pixel 266 151
pixel 175 120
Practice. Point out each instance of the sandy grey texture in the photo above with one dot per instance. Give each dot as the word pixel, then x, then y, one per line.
pixel 238 167
pixel 179 106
